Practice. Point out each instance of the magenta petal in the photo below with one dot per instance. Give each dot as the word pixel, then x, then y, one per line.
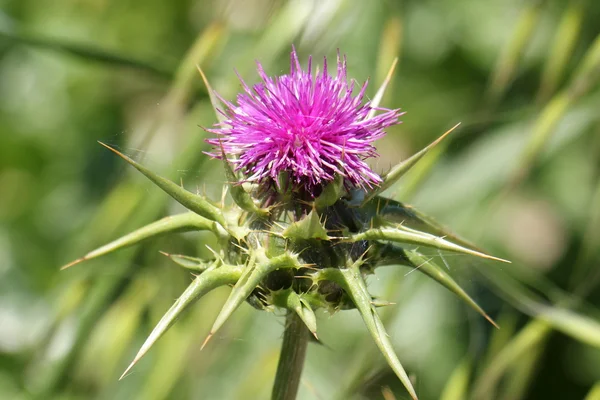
pixel 310 126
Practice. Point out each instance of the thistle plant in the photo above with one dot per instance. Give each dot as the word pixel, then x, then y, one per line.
pixel 308 224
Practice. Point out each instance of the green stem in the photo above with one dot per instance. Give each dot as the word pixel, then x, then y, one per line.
pixel 291 360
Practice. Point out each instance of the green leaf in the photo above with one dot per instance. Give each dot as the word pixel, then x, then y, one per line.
pixel 249 280
pixel 352 282
pixel 309 227
pixel 507 64
pixel 565 40
pixel 177 223
pixel 402 168
pixel 578 326
pixel 434 271
pixel 88 52
pixel 521 375
pixel 531 336
pixel 224 275
pixel 584 79
pixel 403 234
pixel 458 385
pixel 594 393
pixel 560 317
pixel 195 203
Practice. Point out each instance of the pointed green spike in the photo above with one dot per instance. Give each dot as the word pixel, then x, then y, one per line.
pixel 331 193
pixel 351 280
pixel 191 263
pixel 193 202
pixel 224 275
pixel 176 223
pixel 239 195
pixel 214 101
pixel 434 271
pixel 249 280
pixel 403 234
pixel 381 91
pixel 377 302
pixel 309 227
pixel 292 301
pixel 389 211
pixel 399 170
pixel 436 229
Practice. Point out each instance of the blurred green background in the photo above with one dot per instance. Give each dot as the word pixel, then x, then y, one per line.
pixel 520 178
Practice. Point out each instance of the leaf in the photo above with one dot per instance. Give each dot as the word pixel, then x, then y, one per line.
pixel 521 375
pixel 402 168
pixel 560 317
pixel 411 236
pixel 506 67
pixel 351 280
pixel 458 385
pixel 88 52
pixel 224 275
pixel 249 280
pixel 564 43
pixel 578 326
pixel 195 203
pixel 594 393
pixel 585 78
pixel 532 335
pixel 177 223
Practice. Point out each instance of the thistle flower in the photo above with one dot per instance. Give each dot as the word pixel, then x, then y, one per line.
pixel 307 125
pixel 301 253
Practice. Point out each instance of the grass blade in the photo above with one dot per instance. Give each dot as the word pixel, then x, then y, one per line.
pixel 564 43
pixel 458 385
pixel 506 66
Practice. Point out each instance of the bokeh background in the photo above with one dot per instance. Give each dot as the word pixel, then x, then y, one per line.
pixel 520 177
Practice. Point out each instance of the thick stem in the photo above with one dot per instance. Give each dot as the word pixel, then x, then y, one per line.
pixel 291 359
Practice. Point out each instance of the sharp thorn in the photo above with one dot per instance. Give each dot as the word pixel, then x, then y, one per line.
pixel 135 360
pixel 210 335
pixel 72 263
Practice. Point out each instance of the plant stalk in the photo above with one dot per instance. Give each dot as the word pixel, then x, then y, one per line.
pixel 291 359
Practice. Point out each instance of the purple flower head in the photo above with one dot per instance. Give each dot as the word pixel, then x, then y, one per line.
pixel 308 125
